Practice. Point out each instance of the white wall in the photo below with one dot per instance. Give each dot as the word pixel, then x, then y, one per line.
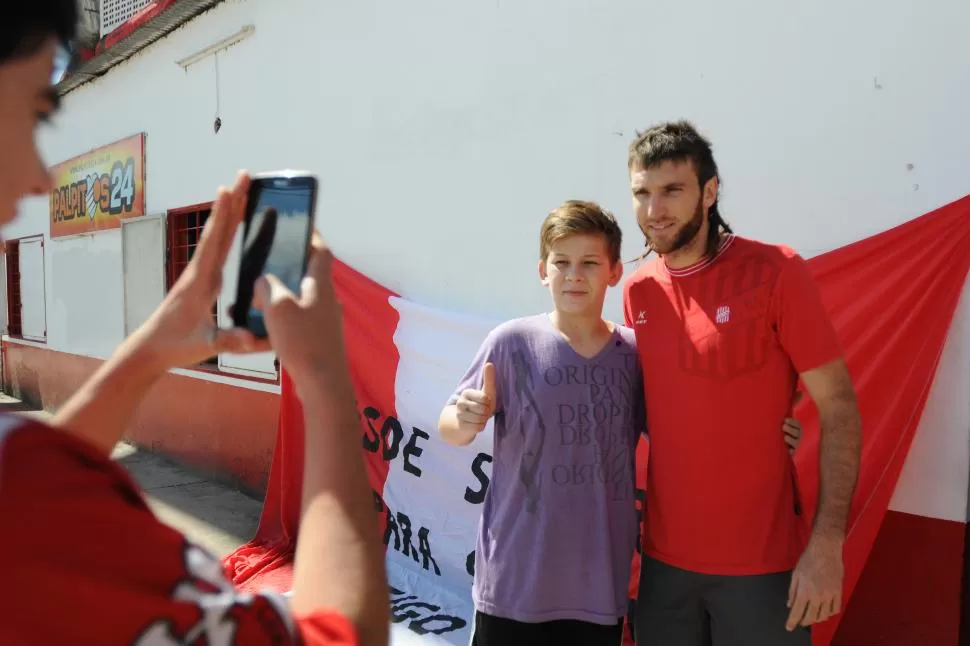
pixel 443 132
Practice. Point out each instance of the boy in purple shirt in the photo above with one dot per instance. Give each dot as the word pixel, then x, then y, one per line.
pixel 559 526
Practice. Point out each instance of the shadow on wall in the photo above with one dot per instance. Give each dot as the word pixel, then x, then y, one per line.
pixel 41 378
pixel 23 385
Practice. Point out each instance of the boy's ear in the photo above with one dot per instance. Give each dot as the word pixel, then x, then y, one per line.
pixel 616 273
pixel 543 276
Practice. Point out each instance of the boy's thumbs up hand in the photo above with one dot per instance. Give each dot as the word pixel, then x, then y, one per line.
pixel 488 382
pixel 476 407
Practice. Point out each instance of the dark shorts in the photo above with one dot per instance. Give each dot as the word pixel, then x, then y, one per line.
pixel 680 608
pixel 498 631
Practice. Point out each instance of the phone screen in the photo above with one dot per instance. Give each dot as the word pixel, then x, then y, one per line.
pixel 275 241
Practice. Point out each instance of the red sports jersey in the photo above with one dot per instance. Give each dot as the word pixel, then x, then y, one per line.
pixel 721 344
pixel 86 561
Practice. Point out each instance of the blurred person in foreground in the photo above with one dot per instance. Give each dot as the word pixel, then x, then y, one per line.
pixel 87 561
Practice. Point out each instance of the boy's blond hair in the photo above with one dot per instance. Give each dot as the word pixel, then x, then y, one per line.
pixel 579 217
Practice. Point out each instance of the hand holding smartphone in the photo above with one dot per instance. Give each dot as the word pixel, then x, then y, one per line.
pixel 277 229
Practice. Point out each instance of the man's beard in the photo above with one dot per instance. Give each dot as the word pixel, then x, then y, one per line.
pixel 684 237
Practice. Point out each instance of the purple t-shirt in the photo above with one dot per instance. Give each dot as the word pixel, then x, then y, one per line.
pixel 558 527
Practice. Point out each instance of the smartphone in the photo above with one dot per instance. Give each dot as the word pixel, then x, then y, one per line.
pixel 276 238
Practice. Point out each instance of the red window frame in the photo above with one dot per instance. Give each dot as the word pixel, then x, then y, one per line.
pixel 184 227
pixel 11 254
pixel 183 230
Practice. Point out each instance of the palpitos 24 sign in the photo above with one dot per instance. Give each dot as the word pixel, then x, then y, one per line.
pixel 94 191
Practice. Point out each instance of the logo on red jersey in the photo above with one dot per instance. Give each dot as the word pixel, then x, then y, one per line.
pixel 205 589
pixel 723 314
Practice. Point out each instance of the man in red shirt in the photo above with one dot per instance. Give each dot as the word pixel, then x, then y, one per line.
pixel 86 561
pixel 725 328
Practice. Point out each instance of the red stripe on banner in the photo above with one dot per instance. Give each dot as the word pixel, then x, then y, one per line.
pixel 892 298
pixel 908 601
pixel 370 322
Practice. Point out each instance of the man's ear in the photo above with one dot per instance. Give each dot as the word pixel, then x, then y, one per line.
pixel 710 193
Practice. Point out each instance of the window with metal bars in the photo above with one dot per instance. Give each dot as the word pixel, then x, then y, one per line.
pixel 12 256
pixel 184 231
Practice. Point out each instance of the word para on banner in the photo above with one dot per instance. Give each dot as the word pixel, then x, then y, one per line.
pixel 399 526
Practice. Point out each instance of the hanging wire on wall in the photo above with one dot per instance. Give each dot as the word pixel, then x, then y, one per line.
pixel 218 122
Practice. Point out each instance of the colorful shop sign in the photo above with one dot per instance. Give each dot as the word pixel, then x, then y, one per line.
pixel 94 191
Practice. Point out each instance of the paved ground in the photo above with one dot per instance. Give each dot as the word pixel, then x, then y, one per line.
pixel 212 514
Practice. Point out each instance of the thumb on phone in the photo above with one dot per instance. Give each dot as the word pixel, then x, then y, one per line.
pixel 488 382
pixel 268 291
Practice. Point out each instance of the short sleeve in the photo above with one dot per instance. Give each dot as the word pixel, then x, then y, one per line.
pixel 326 629
pixel 490 351
pixel 804 327
pixel 627 309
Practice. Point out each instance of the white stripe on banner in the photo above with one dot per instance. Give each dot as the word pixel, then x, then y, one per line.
pixel 433 490
pixel 934 479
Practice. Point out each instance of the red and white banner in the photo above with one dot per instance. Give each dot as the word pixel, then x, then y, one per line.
pixel 892 298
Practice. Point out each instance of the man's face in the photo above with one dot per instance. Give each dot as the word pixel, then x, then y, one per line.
pixel 669 204
pixel 26 99
pixel 578 271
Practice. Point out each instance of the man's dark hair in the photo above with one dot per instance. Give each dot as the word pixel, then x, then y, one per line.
pixel 27 24
pixel 679 141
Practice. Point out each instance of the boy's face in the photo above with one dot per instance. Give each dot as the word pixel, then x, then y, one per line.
pixel 26 99
pixel 578 271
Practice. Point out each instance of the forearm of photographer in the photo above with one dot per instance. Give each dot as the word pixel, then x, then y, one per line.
pixel 339 561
